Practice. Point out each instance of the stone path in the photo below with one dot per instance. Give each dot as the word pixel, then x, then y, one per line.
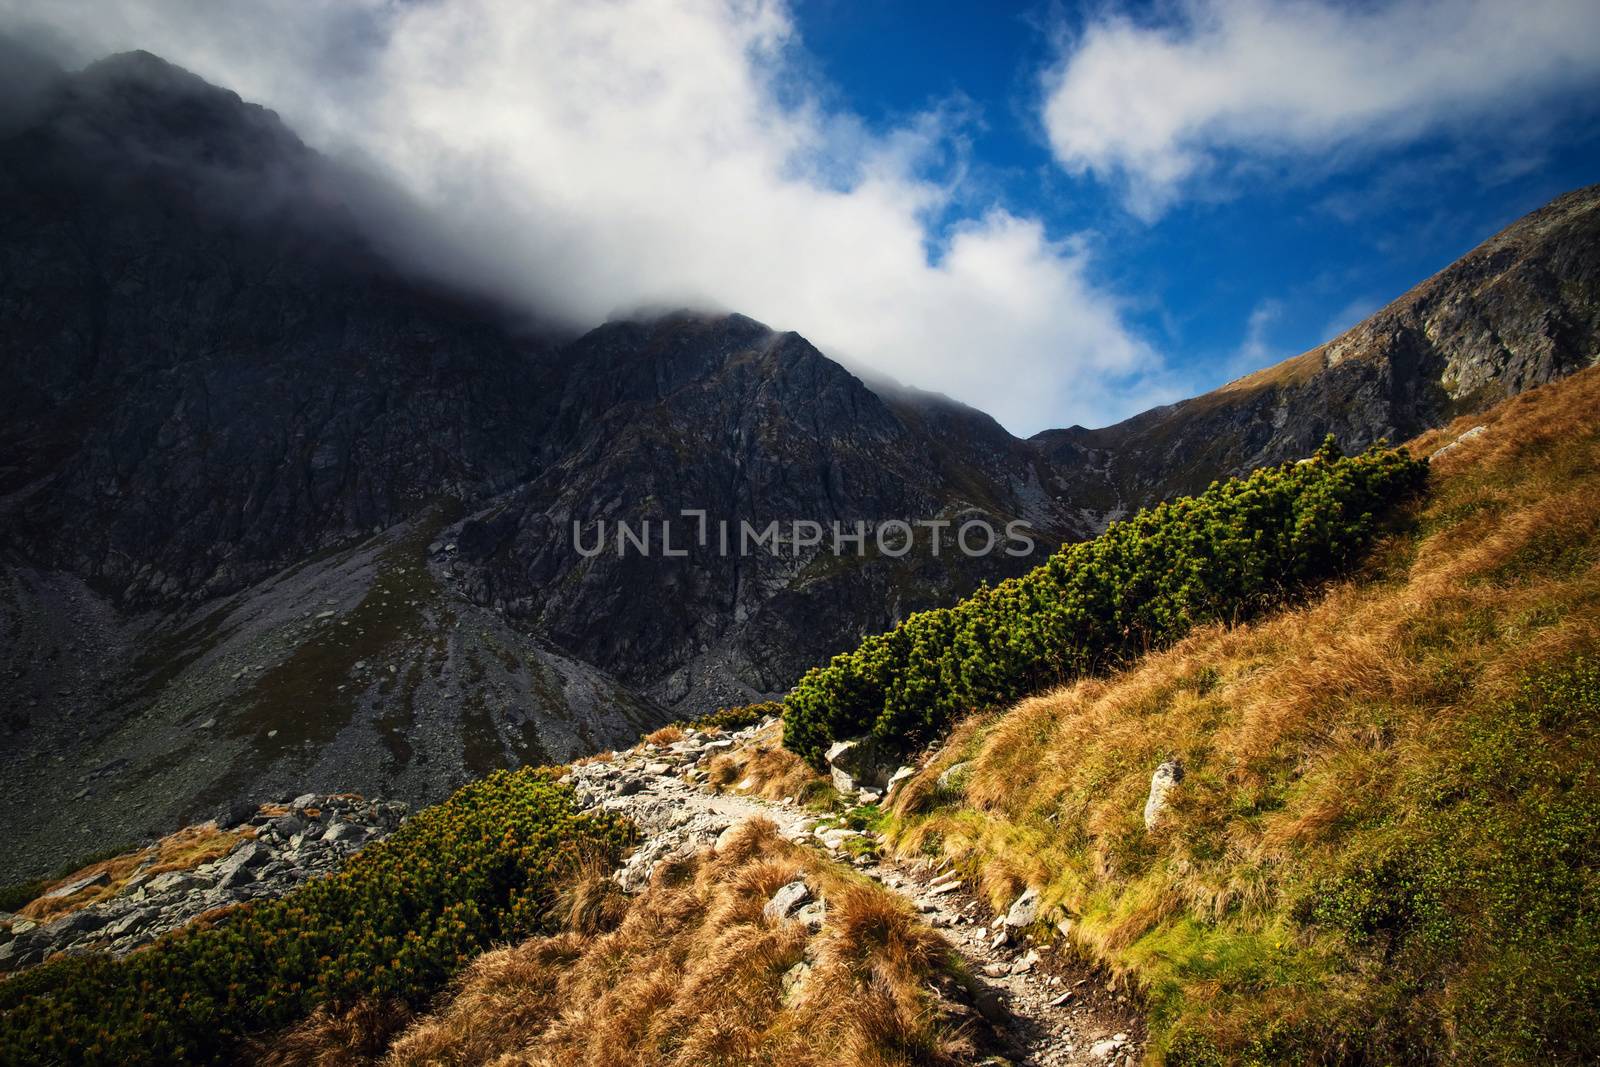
pixel 1054 1010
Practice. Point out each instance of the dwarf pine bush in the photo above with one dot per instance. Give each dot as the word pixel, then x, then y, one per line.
pixel 1239 547
pixel 397 923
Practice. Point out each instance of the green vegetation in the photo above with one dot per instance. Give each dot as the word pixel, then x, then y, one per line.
pixel 1227 554
pixel 17 894
pixel 1386 845
pixel 395 925
pixel 739 717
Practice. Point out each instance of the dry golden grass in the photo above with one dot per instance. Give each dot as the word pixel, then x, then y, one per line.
pixel 667 735
pixel 689 973
pixel 1297 731
pixel 181 851
pixel 762 767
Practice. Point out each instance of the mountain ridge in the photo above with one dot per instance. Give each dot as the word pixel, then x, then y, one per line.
pixel 228 423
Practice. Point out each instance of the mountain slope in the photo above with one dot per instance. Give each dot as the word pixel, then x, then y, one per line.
pixel 234 409
pixel 1377 839
pixel 1521 309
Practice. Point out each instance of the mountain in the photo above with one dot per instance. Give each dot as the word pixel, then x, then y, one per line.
pixel 275 510
pixel 1521 309
pixel 281 512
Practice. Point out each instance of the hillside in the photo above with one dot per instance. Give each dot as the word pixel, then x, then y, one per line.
pixel 1381 843
pixel 1360 827
pixel 282 511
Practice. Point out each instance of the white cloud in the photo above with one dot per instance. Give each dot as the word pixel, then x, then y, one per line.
pixel 1256 351
pixel 623 153
pixel 1157 106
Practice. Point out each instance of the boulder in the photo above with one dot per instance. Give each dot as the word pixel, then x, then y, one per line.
pixel 239 868
pixel 344 831
pixel 1024 910
pixel 174 882
pixel 234 813
pixel 901 774
pixel 786 900
pixel 794 981
pixel 858 764
pixel 1162 783
pixel 78 885
pixel 287 826
pixel 82 921
pixel 135 920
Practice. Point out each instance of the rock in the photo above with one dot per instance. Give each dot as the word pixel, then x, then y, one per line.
pixel 857 764
pixel 834 837
pixel 303 801
pixel 1165 779
pixel 657 769
pixel 82 921
pixel 1064 927
pixel 135 920
pixel 812 915
pixel 79 885
pixel 786 900
pixel 725 837
pixel 1024 910
pixel 344 831
pixel 1000 939
pixel 794 980
pixel 1102 1050
pixel 239 868
pixel 20 953
pixel 629 787
pixel 173 882
pixel 286 826
pixel 1026 963
pixel 996 970
pixel 234 813
pixel 953 778
pixel 901 775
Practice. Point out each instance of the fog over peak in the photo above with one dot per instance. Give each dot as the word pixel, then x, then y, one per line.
pixel 580 159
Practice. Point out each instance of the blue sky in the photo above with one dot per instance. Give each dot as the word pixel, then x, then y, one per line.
pixel 1247 273
pixel 1057 213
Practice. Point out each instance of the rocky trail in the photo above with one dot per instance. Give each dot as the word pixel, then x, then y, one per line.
pixel 1047 1008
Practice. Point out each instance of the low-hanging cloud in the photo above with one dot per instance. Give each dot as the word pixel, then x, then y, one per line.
pixel 1156 106
pixel 626 153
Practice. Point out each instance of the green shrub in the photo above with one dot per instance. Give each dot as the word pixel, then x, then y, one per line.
pixel 397 922
pixel 1239 547
pixel 737 718
pixel 19 894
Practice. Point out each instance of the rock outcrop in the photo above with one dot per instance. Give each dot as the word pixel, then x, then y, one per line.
pixel 282 846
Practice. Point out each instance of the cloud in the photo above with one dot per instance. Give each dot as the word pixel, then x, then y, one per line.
pixel 1256 351
pixel 1156 107
pixel 1357 310
pixel 627 153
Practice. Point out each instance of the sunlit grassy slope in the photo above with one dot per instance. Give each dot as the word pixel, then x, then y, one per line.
pixel 688 973
pixel 1386 846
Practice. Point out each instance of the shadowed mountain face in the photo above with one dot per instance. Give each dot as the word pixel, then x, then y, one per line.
pixel 278 515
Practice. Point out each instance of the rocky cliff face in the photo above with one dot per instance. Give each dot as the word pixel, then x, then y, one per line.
pixel 275 513
pixel 1521 309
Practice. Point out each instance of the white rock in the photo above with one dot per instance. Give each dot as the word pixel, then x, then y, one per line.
pixel 1024 910
pixel 1162 783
